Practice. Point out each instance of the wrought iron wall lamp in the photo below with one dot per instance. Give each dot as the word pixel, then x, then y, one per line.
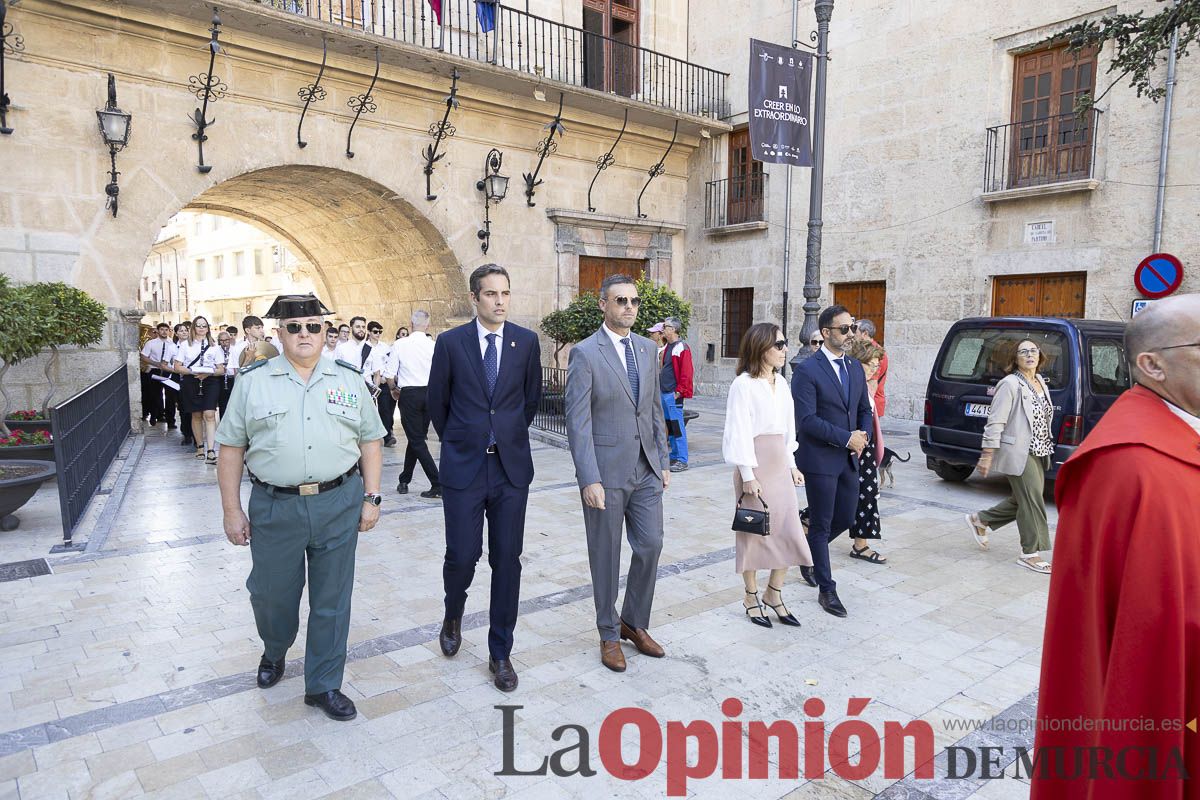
pixel 114 128
pixel 494 186
pixel 10 44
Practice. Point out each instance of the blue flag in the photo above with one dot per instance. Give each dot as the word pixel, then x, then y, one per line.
pixel 485 12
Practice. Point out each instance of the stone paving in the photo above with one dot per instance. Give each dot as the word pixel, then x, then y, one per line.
pixel 128 671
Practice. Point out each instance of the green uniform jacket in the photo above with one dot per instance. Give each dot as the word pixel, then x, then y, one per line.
pixel 298 433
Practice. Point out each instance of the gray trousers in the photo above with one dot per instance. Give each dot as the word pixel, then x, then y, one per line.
pixel 285 532
pixel 1025 505
pixel 638 505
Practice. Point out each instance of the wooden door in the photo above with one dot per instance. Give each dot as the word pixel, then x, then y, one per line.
pixel 610 46
pixel 744 189
pixel 865 300
pixel 594 269
pixel 1061 295
pixel 1050 143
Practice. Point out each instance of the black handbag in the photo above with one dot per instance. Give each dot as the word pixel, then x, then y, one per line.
pixel 750 520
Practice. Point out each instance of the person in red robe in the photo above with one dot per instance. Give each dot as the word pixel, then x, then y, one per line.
pixel 1120 682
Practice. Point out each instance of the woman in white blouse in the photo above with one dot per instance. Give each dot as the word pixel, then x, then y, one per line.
pixel 759 440
pixel 200 363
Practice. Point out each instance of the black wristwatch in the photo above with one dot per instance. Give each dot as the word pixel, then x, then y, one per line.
pixel 373 499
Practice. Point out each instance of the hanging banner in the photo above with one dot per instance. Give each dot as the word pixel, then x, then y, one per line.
pixel 779 102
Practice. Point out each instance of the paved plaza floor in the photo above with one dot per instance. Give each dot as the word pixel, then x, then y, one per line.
pixel 128 671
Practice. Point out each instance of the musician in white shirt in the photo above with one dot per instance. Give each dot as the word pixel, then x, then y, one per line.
pixel 200 362
pixel 374 370
pixel 759 441
pixel 153 354
pixel 407 375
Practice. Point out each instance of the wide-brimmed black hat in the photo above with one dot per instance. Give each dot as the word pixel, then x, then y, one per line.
pixel 290 306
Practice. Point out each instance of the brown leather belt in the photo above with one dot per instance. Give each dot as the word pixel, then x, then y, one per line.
pixel 306 489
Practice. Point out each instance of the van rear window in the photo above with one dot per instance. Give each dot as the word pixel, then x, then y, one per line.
pixel 1109 372
pixel 980 355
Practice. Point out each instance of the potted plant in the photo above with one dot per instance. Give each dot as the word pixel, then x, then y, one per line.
pixel 23 445
pixel 19 480
pixel 37 316
pixel 29 419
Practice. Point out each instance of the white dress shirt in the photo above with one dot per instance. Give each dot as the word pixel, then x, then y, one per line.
pixel 755 408
pixel 834 358
pixel 1192 420
pixel 186 352
pixel 213 357
pixel 351 352
pixel 410 360
pixel 377 360
pixel 483 332
pixel 616 340
pixel 235 355
pixel 158 350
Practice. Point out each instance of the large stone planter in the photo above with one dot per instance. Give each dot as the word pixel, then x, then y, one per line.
pixel 39 452
pixel 16 490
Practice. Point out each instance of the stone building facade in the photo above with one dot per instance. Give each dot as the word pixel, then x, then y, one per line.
pixel 352 200
pixel 910 227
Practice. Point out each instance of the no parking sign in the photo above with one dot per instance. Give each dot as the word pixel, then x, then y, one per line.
pixel 1158 275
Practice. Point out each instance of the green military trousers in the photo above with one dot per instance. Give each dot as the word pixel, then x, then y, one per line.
pixel 285 531
pixel 1025 505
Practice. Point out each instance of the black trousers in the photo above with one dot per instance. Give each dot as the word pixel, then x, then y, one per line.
pixel 151 397
pixel 414 418
pixel 489 496
pixel 226 391
pixel 832 501
pixel 387 410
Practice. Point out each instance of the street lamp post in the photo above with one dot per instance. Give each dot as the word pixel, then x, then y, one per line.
pixel 812 257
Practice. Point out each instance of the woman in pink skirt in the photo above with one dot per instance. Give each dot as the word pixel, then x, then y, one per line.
pixel 759 440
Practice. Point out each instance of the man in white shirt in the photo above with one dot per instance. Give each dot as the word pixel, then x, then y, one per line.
pixel 155 356
pixel 408 381
pixel 252 327
pixel 374 371
pixel 357 349
pixel 331 343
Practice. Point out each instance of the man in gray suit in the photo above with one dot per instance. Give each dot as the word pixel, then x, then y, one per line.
pixel 619 445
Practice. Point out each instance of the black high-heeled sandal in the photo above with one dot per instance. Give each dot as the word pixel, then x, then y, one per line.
pixel 761 619
pixel 786 619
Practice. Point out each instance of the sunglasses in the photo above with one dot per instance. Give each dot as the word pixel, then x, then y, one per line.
pixel 376 331
pixel 781 344
pixel 844 329
pixel 628 301
pixel 817 342
pixel 295 327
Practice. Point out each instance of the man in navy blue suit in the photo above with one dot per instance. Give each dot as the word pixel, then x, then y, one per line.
pixel 484 387
pixel 832 417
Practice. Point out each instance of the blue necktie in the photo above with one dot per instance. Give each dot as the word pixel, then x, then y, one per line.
pixel 631 368
pixel 845 376
pixel 490 370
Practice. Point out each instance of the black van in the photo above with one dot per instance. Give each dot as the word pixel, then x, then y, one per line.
pixel 1085 369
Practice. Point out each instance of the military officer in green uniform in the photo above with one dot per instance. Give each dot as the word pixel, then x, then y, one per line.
pixel 306 429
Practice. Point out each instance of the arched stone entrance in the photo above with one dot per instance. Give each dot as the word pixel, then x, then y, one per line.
pixel 378 256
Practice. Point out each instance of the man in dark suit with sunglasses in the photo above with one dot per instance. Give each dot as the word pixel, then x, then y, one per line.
pixel 833 415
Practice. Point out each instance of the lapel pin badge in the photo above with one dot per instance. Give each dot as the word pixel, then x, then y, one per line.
pixel 512 344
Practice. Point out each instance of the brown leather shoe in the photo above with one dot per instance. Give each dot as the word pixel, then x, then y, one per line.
pixel 611 656
pixel 642 641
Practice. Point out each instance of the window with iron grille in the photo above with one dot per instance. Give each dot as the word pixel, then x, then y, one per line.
pixel 737 315
pixel 1050 142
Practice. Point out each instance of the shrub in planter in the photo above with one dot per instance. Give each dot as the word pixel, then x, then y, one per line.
pixel 21 444
pixel 27 420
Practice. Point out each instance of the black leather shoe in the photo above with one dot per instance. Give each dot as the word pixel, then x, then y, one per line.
pixel 402 488
pixel 506 676
pixel 389 441
pixel 830 602
pixel 269 672
pixel 335 705
pixel 432 494
pixel 450 637
pixel 807 574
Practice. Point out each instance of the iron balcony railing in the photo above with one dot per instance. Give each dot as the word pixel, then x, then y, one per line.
pixel 734 201
pixel 552 408
pixel 1041 151
pixel 504 36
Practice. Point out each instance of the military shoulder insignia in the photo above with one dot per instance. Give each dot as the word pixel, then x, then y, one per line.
pixel 348 365
pixel 255 365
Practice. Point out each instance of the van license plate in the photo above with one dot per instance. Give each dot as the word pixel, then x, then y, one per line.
pixel 977 410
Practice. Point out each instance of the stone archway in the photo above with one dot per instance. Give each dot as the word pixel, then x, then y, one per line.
pixel 378 256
